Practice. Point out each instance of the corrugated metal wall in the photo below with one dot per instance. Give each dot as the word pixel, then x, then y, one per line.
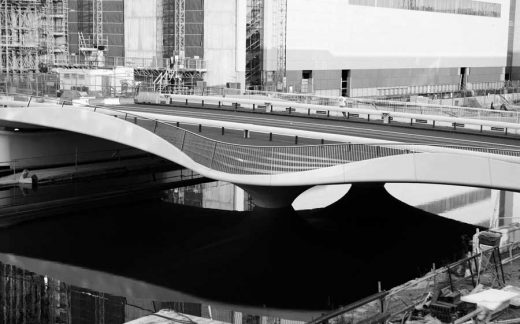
pixel 194 28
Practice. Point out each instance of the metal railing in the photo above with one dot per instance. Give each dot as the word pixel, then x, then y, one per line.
pixel 397 303
pixel 133 62
pixel 368 103
pixel 393 105
pixel 437 110
pixel 257 160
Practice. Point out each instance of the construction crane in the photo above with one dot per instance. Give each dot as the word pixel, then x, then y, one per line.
pixel 93 48
pixel 173 76
pixel 180 28
pixel 97 20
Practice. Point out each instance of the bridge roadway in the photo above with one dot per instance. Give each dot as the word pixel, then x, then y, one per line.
pixel 417 134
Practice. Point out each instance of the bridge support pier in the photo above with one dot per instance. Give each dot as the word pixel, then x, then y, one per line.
pixel 273 197
pixel 504 208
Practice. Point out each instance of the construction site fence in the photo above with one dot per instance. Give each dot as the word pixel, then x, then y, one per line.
pixel 485 267
pixel 436 91
pixel 112 62
pixel 52 85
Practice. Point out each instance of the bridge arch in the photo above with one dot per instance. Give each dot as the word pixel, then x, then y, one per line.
pixel 276 176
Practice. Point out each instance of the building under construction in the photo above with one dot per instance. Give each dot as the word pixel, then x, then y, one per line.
pixel 97 25
pixel 171 44
pixel 33 33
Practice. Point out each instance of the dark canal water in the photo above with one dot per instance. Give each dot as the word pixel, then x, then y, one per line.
pixel 165 254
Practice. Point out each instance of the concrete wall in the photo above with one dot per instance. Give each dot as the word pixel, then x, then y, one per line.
pixel 223 196
pixel 143 29
pixel 225 41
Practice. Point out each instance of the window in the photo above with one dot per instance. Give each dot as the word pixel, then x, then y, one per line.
pixel 461 7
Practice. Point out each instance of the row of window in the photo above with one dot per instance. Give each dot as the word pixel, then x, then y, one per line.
pixel 74 76
pixel 461 7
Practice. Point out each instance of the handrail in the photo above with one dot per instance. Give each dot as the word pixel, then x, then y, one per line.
pixel 256 160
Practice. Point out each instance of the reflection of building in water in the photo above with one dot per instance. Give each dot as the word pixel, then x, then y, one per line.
pixel 214 195
pixel 27 298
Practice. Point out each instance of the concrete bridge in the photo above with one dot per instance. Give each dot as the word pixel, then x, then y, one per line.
pixel 276 175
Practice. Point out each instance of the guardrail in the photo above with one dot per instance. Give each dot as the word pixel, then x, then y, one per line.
pixel 257 160
pixel 478 123
pixel 390 106
pixel 377 104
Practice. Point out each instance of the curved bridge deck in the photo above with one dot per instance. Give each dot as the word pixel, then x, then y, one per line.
pixel 272 173
pixel 248 159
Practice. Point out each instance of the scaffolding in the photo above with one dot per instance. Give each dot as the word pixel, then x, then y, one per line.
pixel 98 24
pixel 181 72
pixel 280 32
pixel 254 40
pixel 55 31
pixel 33 32
pixel 180 29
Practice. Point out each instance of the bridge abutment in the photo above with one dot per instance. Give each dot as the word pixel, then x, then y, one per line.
pixel 273 197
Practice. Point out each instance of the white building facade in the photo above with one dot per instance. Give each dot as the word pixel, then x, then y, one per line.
pixel 367 47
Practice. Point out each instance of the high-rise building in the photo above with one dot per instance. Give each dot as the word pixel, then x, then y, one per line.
pixel 91 19
pixel 33 33
pixel 368 47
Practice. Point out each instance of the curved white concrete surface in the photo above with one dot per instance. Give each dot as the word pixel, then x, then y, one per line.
pixel 441 168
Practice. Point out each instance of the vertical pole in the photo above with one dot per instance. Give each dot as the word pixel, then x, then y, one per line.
pixel 471 272
pixel 451 281
pixel 213 155
pixel 6 40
